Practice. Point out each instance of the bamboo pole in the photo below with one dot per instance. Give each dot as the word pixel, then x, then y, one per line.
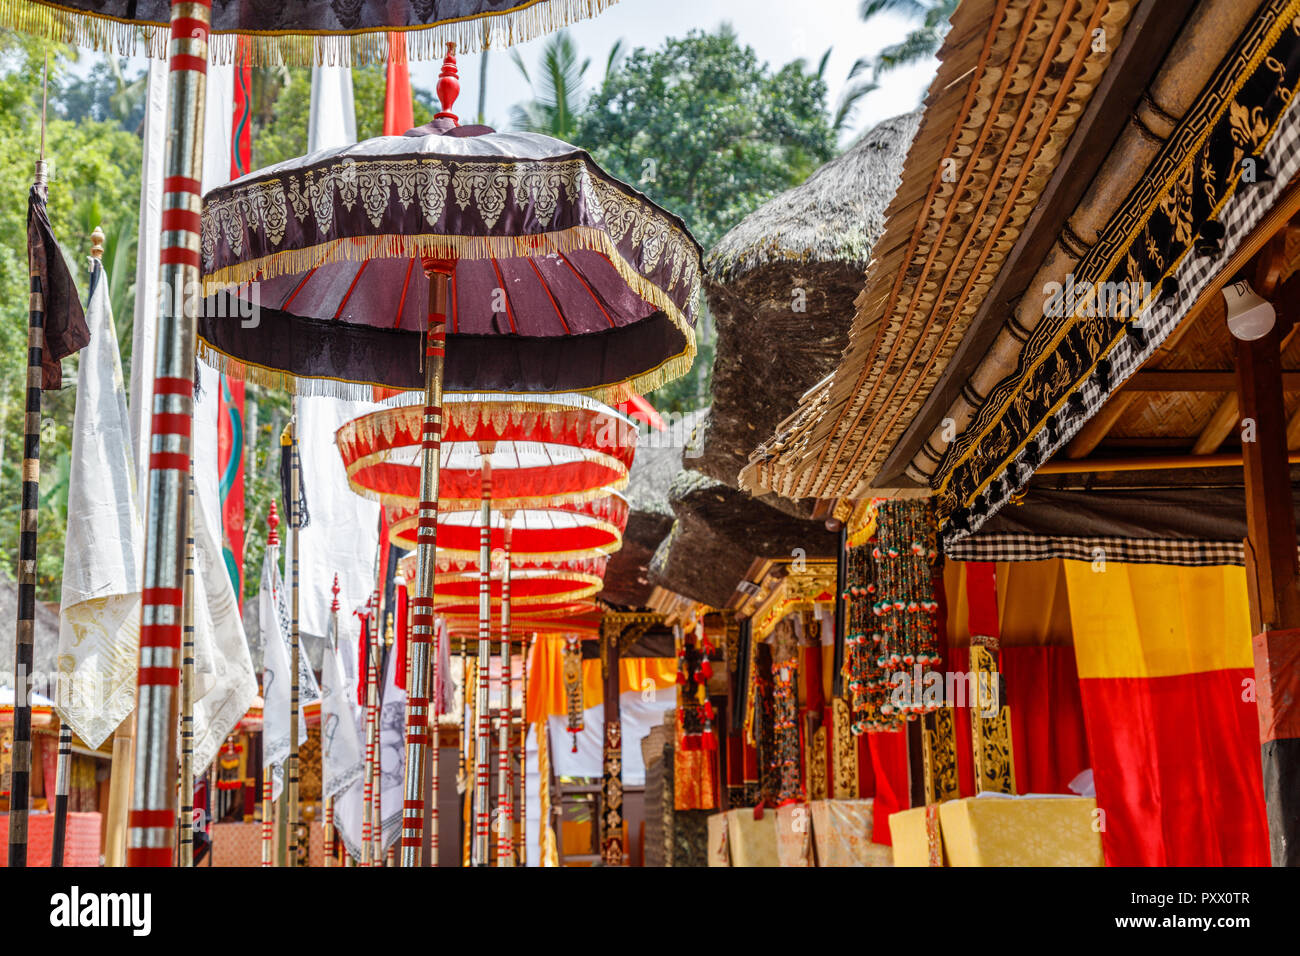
pixel 329 801
pixel 268 824
pixel 523 753
pixel 368 788
pixel 293 811
pixel 152 821
pixel 505 822
pixel 119 793
pixel 185 852
pixel 25 626
pixel 62 772
pixel 483 716
pixel 421 632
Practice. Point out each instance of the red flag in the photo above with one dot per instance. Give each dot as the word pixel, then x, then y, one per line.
pixel 241 138
pixel 230 402
pixel 399 115
pixel 401 631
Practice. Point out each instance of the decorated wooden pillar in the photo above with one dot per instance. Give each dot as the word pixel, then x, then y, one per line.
pixel 611 822
pixel 1272 575
pixel 990 717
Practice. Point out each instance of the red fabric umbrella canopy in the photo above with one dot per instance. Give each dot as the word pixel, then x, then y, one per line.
pixel 542 450
pixel 528 587
pixel 559 278
pixel 580 617
pixel 539 536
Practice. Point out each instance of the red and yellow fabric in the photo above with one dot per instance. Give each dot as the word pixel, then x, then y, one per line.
pixel 1164 662
pixel 546 696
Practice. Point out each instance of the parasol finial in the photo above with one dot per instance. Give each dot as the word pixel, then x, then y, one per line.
pixel 97 243
pixel 272 522
pixel 448 85
pixel 334 605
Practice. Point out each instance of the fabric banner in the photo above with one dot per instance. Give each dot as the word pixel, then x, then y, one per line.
pixel 275 675
pixel 344 529
pixel 225 684
pixel 230 472
pixel 1166 679
pixel 392 751
pixel 342 755
pixel 99 621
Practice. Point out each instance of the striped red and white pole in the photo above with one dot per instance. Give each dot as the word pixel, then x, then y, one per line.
pixel 483 716
pixel 271 554
pixel 435 710
pixel 422 624
pixel 152 819
pixel 505 821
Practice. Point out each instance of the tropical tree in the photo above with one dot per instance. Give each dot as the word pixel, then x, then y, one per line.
pixel 920 43
pixel 711 133
pixel 558 93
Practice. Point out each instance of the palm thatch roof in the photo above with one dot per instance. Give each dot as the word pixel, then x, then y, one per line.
pixel 781 286
pixel 46 640
pixel 650 518
pixel 718 533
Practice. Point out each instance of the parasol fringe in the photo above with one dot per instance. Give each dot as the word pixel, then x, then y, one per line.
pixel 98 32
pixel 578 238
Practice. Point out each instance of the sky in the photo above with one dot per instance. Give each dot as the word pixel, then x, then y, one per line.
pixel 778 30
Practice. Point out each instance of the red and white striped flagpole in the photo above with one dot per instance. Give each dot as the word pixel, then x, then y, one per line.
pixel 523 752
pixel 483 716
pixel 152 818
pixel 505 823
pixel 368 787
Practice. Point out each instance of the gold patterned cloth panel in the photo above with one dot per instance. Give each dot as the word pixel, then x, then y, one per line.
pixel 842 834
pixel 752 842
pixel 1002 831
pixel 794 844
pixel 719 849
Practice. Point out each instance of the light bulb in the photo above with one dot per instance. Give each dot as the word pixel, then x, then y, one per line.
pixel 1249 316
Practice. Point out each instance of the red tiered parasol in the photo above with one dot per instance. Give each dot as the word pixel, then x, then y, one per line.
pixel 297 32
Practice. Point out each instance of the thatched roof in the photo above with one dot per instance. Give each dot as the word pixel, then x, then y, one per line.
pixel 46 640
pixel 719 532
pixel 650 517
pixel 781 286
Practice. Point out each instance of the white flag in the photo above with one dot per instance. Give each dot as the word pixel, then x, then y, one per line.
pixel 99 626
pixel 342 756
pixel 392 751
pixel 275 675
pixel 225 684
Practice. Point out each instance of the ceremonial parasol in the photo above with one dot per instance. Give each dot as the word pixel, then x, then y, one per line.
pixel 540 536
pixel 514 451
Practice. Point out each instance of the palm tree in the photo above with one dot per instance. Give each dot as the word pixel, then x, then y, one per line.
pixel 554 107
pixel 922 42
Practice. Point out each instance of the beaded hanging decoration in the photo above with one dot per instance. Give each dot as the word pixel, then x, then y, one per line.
pixel 693 671
pixel 786 728
pixel 573 687
pixel 892 637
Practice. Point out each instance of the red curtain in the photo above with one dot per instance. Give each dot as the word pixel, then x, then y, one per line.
pixel 1047 732
pixel 889 768
pixel 1177 769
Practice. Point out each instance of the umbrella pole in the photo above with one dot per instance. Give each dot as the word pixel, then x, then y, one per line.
pixel 422 629
pixel 152 821
pixel 368 794
pixel 268 824
pixel 186 817
pixel 523 754
pixel 505 823
pixel 435 684
pixel 295 522
pixel 482 717
pixel 24 634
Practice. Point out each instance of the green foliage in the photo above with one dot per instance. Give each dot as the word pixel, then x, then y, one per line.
pixel 710 133
pixel 95 178
pixel 920 43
